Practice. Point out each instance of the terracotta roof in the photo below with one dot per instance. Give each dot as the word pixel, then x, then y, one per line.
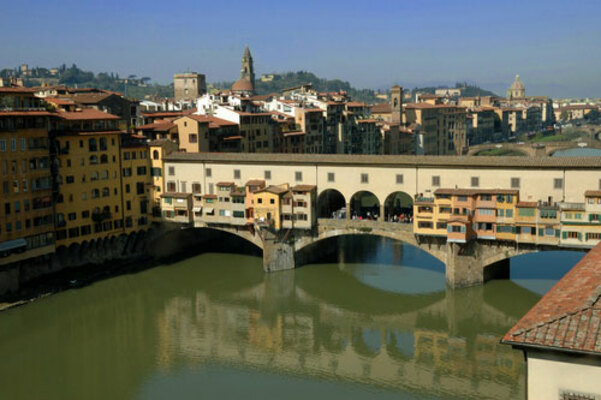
pixel 527 204
pixel 592 193
pixel 356 104
pixel 218 122
pixel 243 85
pixel 86 114
pixel 26 114
pixel 209 196
pixel 568 317
pixel 381 108
pixel 17 90
pixel 255 182
pixel 273 189
pixel 162 114
pixel 89 98
pixel 157 127
pixel 303 188
pixel 59 101
pixel 226 184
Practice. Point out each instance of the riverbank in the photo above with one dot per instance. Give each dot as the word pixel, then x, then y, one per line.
pixel 159 249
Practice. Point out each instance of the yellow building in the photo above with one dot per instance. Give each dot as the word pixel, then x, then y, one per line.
pixel 193 133
pixel 506 209
pixel 26 222
pixel 88 200
pixel 268 205
pixel 136 184
pixel 157 150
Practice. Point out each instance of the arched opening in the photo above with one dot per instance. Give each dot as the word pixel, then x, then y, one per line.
pixel 331 204
pixel 398 207
pixel 155 154
pixel 365 205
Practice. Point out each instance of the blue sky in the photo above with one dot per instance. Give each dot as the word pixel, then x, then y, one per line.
pixel 553 45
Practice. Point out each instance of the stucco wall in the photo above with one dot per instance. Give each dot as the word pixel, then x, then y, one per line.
pixel 549 374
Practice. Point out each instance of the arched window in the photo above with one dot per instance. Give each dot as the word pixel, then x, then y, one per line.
pixel 92 144
pixel 104 159
pixel 95 193
pixel 104 174
pixel 94 176
pixel 106 192
pixel 93 160
pixel 102 144
pixel 155 155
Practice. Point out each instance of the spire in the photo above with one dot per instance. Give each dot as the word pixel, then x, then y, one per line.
pixel 246 52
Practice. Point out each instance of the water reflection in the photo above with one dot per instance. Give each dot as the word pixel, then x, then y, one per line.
pixel 216 326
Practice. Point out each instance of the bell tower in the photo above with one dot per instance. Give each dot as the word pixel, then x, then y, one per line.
pixel 396 104
pixel 247 72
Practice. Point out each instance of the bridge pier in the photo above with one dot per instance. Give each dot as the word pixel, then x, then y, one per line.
pixel 465 264
pixel 277 255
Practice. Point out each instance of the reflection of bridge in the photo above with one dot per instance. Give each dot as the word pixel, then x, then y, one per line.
pixel 536 149
pixel 466 265
pixel 430 349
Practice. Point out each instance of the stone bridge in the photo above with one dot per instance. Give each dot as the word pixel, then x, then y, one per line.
pixel 466 265
pixel 536 149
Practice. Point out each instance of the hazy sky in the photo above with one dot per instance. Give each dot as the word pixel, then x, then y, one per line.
pixel 555 45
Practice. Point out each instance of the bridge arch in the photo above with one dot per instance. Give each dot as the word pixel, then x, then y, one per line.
pixel 397 204
pixel 405 235
pixel 330 204
pixel 364 204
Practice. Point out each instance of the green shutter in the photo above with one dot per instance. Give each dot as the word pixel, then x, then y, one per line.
pixel 513 230
pixel 590 217
pixel 579 235
pixel 541 231
pixel 557 233
pixel 564 235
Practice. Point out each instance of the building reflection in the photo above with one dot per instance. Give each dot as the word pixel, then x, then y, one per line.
pixel 444 344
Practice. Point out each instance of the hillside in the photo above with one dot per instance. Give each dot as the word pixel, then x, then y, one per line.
pixel 292 79
pixel 467 90
pixel 73 76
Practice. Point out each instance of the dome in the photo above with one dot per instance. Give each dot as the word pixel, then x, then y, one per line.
pixel 243 85
pixel 517 84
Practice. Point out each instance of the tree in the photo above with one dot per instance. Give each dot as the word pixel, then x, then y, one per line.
pixel 563 116
pixel 593 115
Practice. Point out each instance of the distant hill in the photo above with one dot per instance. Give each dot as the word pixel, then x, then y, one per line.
pixel 292 79
pixel 73 76
pixel 467 90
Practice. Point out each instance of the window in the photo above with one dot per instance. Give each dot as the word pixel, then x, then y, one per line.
pixel 106 192
pixel 399 179
pixel 515 183
pixel 69 179
pixel 3 149
pixel 486 211
pixel 364 178
pixel 155 172
pixel 236 174
pixel 72 216
pixel 574 395
pixel 558 183
pixel 193 138
pixel 139 187
pixel 462 198
pixel 436 181
pixel 171 186
pixel 298 176
pixel 195 187
pixel 141 171
pixel 155 155
pixel 171 171
pixel 208 172
pixel 509 213
pixel 267 175
pixel 126 172
pixel 331 177
pixel 475 181
pixel 526 212
pixel 93 160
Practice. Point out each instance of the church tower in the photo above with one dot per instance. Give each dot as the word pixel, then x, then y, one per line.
pixel 248 70
pixel 246 84
pixel 396 104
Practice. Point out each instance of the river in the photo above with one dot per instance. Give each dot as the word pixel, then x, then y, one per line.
pixel 375 321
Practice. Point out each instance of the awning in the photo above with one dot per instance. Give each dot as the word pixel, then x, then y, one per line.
pixel 197 209
pixel 209 210
pixel 13 244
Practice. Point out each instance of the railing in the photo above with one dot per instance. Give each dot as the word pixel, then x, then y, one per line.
pixel 370 224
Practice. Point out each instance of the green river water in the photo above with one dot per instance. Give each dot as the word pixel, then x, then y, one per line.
pixel 373 322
